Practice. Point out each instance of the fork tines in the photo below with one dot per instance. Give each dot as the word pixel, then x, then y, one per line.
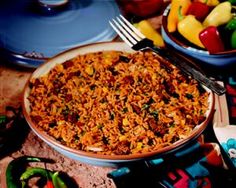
pixel 126 30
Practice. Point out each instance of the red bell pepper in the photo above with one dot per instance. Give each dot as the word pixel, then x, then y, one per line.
pixel 211 39
pixel 199 10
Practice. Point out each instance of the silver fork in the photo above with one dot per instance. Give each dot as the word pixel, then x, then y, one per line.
pixel 137 41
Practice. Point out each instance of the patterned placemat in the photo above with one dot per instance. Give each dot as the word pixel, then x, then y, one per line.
pixel 230 85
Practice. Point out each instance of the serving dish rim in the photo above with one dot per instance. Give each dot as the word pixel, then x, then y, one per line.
pixel 51 141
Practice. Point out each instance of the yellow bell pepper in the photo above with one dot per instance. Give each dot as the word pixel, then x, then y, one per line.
pixel 220 15
pixel 189 27
pixel 146 28
pixel 172 19
pixel 210 2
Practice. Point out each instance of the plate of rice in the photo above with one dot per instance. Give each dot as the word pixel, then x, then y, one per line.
pixel 105 104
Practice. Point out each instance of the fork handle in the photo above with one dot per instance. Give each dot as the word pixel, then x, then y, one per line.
pixel 183 64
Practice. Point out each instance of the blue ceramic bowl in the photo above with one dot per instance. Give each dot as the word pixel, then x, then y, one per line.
pixel 99 159
pixel 33 31
pixel 220 59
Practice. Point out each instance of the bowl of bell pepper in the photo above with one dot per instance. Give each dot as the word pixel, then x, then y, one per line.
pixel 202 29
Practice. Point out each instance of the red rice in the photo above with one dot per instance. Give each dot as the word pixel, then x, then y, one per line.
pixel 117 103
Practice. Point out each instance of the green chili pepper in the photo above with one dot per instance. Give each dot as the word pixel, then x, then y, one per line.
pixel 231 25
pixel 14 177
pixel 232 1
pixel 57 181
pixel 47 174
pixel 34 171
pixel 12 171
pixel 233 40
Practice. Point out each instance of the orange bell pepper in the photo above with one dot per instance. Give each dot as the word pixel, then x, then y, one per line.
pixel 172 19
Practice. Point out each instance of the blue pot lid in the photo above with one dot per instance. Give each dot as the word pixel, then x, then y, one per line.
pixel 31 33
